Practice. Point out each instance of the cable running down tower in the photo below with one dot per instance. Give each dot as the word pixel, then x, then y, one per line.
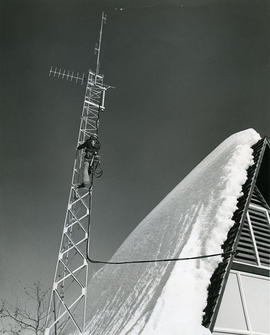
pixel 67 307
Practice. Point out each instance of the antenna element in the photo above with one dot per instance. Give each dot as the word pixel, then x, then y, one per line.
pixel 68 75
pixel 67 306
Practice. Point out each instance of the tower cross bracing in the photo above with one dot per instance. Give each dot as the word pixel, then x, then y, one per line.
pixel 67 306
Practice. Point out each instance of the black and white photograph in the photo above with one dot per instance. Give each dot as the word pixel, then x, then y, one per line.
pixel 135 167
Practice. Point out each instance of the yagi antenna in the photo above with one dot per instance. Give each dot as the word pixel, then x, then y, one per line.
pixel 94 76
pixel 68 300
pixel 68 75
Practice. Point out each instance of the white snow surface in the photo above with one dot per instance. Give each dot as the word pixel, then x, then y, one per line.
pixel 193 219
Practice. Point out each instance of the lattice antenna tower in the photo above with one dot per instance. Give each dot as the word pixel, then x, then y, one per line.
pixel 67 306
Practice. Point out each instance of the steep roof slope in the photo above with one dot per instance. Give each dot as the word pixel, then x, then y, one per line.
pixel 257 174
pixel 194 219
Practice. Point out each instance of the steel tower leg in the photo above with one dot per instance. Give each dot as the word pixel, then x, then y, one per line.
pixel 67 307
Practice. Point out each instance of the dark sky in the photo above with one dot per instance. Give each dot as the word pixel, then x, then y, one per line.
pixel 187 75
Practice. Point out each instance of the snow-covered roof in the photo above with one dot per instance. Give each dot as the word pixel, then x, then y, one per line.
pixel 193 219
pixel 256 183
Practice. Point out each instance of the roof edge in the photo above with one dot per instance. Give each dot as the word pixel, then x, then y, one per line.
pixel 220 276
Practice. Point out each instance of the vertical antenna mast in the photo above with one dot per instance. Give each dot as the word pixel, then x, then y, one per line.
pixel 67 307
pixel 98 47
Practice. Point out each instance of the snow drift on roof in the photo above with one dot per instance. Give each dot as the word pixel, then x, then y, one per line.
pixel 169 298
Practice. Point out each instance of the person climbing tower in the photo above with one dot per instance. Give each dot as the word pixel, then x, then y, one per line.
pixel 91 148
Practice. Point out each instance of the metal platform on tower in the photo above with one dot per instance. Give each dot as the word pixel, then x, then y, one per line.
pixel 67 307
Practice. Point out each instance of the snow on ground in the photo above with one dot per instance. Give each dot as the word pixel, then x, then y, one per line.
pixel 169 298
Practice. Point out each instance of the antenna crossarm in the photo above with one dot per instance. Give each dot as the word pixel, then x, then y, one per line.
pixel 67 306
